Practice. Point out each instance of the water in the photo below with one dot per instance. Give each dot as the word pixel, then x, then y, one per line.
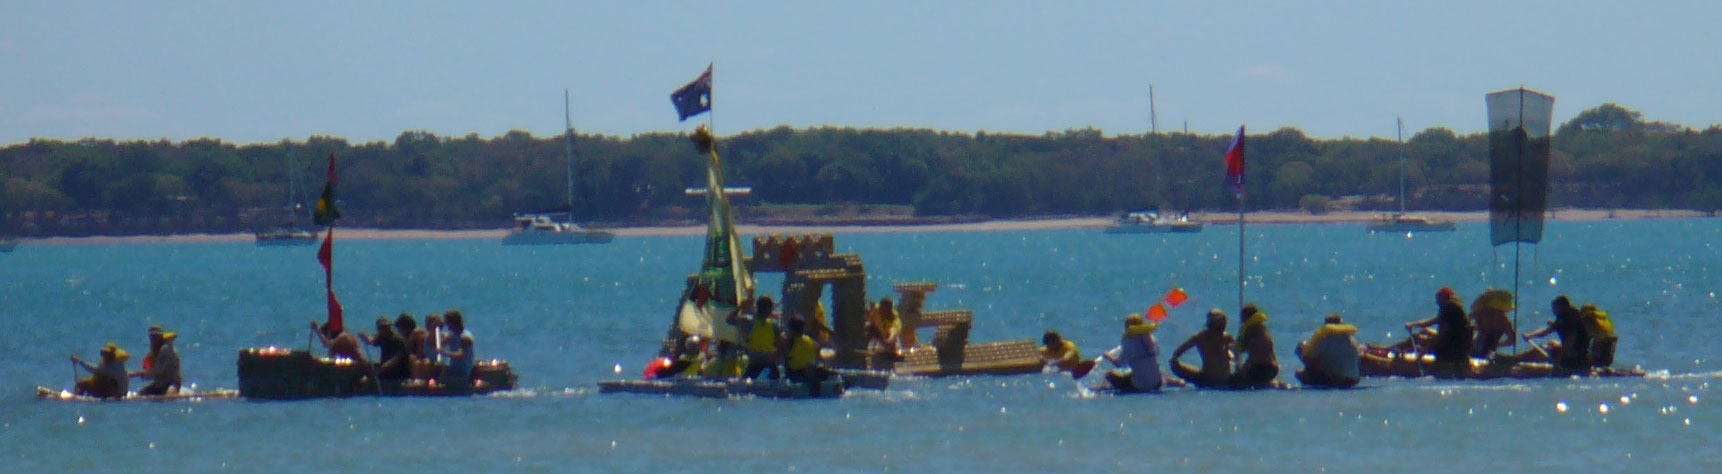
pixel 566 316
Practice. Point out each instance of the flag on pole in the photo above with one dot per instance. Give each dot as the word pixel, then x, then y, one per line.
pixel 325 211
pixel 1235 165
pixel 326 256
pixel 694 98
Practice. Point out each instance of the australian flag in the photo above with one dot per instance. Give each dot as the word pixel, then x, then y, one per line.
pixel 694 98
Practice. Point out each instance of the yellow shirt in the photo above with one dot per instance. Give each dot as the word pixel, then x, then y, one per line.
pixel 802 353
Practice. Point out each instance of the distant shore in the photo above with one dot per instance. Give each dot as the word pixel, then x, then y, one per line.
pixel 1218 219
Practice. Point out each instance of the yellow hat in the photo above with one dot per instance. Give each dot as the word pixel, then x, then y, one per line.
pixel 112 350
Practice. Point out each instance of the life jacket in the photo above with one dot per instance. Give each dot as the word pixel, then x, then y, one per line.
pixel 725 366
pixel 1258 319
pixel 1066 353
pixel 762 338
pixel 1324 332
pixel 695 361
pixel 802 353
pixel 1596 323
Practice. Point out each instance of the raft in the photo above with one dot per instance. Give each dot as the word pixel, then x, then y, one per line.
pixel 282 374
pixel 830 388
pixel 45 393
pixel 1382 362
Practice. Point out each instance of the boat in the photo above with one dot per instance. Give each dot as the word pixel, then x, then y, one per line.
pixel 288 233
pixel 6 245
pixel 273 373
pixel 725 280
pixel 1400 222
pixel 1381 361
pixel 542 228
pixel 1151 222
pixel 188 395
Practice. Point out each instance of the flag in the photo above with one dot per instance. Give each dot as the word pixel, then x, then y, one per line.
pixel 1157 312
pixel 1235 165
pixel 1176 297
pixel 326 256
pixel 694 98
pixel 326 212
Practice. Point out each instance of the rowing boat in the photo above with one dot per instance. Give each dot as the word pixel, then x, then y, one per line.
pixel 45 393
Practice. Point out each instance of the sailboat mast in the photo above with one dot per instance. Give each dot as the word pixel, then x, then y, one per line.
pixel 569 121
pixel 1400 133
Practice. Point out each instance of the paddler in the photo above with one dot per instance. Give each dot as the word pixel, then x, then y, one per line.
pixel 802 362
pixel 1572 349
pixel 161 365
pixel 395 363
pixel 1138 358
pixel 1494 326
pixel 759 338
pixel 1063 355
pixel 1214 345
pixel 457 349
pixel 1602 338
pixel 1330 356
pixel 108 380
pixel 1256 348
pixel 884 329
pixel 727 364
pixel 340 344
pixel 1452 340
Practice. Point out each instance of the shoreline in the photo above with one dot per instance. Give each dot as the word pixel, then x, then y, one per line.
pixel 1056 223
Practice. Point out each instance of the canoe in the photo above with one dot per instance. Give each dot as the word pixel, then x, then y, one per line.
pixel 1379 361
pixel 45 393
pixel 830 388
pixel 283 374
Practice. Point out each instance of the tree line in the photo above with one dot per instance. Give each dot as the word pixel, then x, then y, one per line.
pixel 1606 157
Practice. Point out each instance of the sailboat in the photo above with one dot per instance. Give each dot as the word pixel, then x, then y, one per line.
pixel 1400 221
pixel 542 228
pixel 1150 221
pixel 288 233
pixel 6 245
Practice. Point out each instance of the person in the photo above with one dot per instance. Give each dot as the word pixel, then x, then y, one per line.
pixel 1571 349
pixel 1214 345
pixel 1494 326
pixel 424 342
pixel 1452 340
pixel 1602 338
pixel 802 362
pixel 884 329
pixel 395 363
pixel 1256 348
pixel 726 364
pixel 1064 355
pixel 688 360
pixel 108 380
pixel 1330 356
pixel 340 344
pixel 161 365
pixel 457 349
pixel 1138 358
pixel 759 339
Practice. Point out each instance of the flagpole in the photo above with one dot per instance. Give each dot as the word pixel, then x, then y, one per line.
pixel 1240 251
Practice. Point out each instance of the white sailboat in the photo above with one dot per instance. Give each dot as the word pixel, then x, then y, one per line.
pixel 288 233
pixel 6 245
pixel 542 228
pixel 1149 221
pixel 1400 221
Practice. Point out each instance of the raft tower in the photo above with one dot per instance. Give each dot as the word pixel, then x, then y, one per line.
pixel 811 267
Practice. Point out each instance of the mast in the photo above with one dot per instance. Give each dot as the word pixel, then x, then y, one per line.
pixel 569 120
pixel 1400 133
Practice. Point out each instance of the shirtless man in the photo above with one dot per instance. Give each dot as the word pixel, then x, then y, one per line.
pixel 1215 347
pixel 1494 326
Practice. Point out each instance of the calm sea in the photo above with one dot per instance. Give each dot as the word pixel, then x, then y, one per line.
pixel 566 317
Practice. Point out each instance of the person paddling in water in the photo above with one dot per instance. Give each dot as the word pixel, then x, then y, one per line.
pixel 1330 356
pixel 1452 339
pixel 1063 355
pixel 161 365
pixel 1215 347
pixel 340 344
pixel 108 380
pixel 1138 358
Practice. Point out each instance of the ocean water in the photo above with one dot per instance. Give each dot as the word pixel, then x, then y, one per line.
pixel 567 317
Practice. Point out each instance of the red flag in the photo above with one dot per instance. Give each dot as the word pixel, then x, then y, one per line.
pixel 326 256
pixel 1235 165
pixel 1176 297
pixel 1157 312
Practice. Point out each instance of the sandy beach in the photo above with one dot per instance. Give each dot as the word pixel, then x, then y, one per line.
pixel 1214 219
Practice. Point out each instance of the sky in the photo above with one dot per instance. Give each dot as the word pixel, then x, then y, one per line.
pixel 260 72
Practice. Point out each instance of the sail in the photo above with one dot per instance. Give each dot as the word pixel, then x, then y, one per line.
pixel 1518 164
pixel 723 283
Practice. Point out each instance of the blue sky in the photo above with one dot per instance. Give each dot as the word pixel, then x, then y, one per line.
pixel 249 72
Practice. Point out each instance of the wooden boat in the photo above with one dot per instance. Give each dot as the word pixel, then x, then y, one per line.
pixel 192 395
pixel 1380 361
pixel 288 374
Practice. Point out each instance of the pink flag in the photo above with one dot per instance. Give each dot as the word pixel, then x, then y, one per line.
pixel 1235 165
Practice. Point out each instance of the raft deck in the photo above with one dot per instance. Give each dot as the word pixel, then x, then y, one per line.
pixel 45 393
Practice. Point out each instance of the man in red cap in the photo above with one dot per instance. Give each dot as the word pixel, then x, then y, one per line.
pixel 1452 335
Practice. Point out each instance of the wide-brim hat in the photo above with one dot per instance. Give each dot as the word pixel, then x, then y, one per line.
pixel 114 350
pixel 155 331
